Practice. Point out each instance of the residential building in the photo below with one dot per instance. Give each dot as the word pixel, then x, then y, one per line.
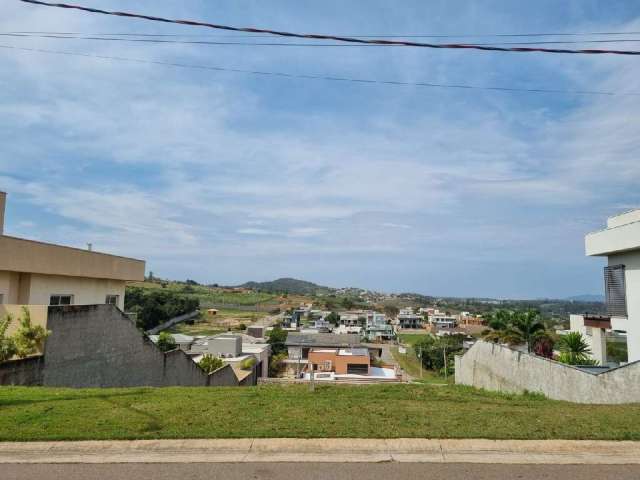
pixel 377 328
pixel 443 320
pixel 620 244
pixel 352 319
pixel 300 344
pixel 343 361
pixel 410 320
pixel 37 273
pixel 234 349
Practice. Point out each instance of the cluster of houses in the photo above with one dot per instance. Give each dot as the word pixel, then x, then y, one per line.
pixel 373 326
pixel 247 355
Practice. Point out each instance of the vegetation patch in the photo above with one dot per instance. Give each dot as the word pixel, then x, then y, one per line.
pixel 376 411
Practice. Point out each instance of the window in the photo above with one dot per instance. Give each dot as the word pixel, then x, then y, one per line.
pixel 112 300
pixel 61 300
pixel 614 284
pixel 1 298
pixel 327 365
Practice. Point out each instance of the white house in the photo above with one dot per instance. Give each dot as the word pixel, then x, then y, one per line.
pixel 620 243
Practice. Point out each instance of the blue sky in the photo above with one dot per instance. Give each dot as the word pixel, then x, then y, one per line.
pixel 226 177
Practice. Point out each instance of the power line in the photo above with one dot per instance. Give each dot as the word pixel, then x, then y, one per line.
pixel 487 35
pixel 323 77
pixel 130 39
pixel 333 37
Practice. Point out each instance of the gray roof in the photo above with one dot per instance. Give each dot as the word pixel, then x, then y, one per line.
pixel 343 340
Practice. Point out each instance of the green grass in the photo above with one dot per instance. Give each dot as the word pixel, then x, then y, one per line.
pixel 214 296
pixel 378 411
pixel 412 338
pixel 410 364
pixel 212 325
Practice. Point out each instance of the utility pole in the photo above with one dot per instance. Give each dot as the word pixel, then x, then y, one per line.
pixel 420 357
pixel 312 385
pixel 445 361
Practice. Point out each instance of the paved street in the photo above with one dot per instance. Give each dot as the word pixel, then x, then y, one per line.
pixel 312 471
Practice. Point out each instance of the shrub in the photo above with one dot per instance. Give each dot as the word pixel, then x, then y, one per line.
pixel 210 364
pixel 29 339
pixel 7 345
pixel 276 364
pixel 574 350
pixel 166 342
pixel 242 327
pixel 248 363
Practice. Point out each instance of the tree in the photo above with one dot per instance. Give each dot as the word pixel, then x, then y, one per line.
pixel 166 342
pixel 527 327
pixel 7 345
pixel 29 339
pixel 276 363
pixel 391 311
pixel 277 338
pixel 333 318
pixel 348 303
pixel 431 351
pixel 210 364
pixel 515 328
pixel 154 307
pixel 574 350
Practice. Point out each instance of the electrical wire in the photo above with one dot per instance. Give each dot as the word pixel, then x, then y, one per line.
pixel 273 44
pixel 334 37
pixel 488 35
pixel 323 77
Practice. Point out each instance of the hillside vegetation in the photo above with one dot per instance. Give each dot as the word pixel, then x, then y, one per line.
pixel 287 285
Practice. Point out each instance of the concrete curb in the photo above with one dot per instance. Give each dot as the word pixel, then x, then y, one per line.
pixel 341 450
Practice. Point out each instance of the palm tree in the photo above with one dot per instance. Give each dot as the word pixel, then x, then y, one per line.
pixel 526 327
pixel 574 350
pixel 515 328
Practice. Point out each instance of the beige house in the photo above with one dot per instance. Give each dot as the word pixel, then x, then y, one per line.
pixel 36 273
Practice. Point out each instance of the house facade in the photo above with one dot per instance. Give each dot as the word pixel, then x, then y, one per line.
pixel 352 361
pixel 37 273
pixel 410 321
pixel 620 244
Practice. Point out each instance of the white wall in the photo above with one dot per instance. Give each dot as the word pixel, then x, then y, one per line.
pixel 631 261
pixel 85 291
pixel 495 367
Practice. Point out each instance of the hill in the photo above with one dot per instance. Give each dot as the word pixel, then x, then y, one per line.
pixel 288 285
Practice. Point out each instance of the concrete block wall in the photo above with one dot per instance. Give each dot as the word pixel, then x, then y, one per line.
pixel 499 368
pixel 22 372
pixel 98 346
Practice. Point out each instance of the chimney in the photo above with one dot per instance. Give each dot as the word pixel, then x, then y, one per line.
pixel 3 200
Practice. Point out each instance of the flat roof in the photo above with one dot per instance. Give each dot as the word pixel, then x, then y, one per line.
pixel 322 339
pixel 32 256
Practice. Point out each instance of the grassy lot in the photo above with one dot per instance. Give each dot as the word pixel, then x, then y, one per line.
pixel 410 364
pixel 214 296
pixel 377 411
pixel 411 338
pixel 211 325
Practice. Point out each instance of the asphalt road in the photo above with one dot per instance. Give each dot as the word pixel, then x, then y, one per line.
pixel 312 471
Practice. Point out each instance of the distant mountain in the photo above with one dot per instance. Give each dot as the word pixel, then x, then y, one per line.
pixel 288 285
pixel 586 298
